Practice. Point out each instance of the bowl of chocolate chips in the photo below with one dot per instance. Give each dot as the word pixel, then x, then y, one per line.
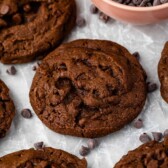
pixel 139 12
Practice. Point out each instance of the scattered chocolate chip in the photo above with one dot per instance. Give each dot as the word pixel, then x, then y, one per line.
pixel 104 17
pixel 11 70
pixel 34 68
pixel 92 143
pixel 138 124
pixel 27 8
pixel 17 18
pixel 26 113
pixel 81 22
pixel 84 151
pixel 136 55
pixel 151 87
pixel 166 133
pixel 144 138
pixel 39 145
pixel 157 136
pixel 93 9
pixel 4 9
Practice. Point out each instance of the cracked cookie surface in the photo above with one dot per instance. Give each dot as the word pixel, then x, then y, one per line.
pixel 7 109
pixel 44 158
pixel 88 88
pixel 150 155
pixel 29 29
pixel 163 72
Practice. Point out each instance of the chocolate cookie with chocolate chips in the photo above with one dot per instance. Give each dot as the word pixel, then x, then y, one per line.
pixel 163 73
pixel 31 28
pixel 46 157
pixel 7 109
pixel 150 155
pixel 88 88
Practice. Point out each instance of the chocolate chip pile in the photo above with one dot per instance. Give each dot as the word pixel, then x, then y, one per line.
pixel 142 3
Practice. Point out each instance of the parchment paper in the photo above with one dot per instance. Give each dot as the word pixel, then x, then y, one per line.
pixel 148 40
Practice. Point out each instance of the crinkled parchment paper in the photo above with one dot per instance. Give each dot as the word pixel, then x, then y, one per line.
pixel 148 40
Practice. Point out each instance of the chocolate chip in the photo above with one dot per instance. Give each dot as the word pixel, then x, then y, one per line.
pixel 104 17
pixel 151 87
pixel 26 113
pixel 144 138
pixel 81 22
pixel 156 2
pixel 4 9
pixel 84 151
pixel 39 145
pixel 143 3
pixel 138 124
pixel 166 133
pixel 3 23
pixel 164 1
pixel 27 8
pixel 92 143
pixel 11 70
pixel 34 68
pixel 157 136
pixel 93 9
pixel 137 55
pixel 17 18
pixel 137 2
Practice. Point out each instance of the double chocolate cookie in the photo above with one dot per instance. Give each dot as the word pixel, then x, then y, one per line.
pixel 44 158
pixel 88 88
pixel 31 28
pixel 7 109
pixel 149 155
pixel 163 73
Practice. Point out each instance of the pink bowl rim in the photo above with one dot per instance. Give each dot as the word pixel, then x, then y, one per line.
pixel 131 8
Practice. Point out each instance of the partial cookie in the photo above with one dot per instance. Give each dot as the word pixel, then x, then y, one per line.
pixel 88 88
pixel 29 29
pixel 44 158
pixel 163 73
pixel 7 109
pixel 149 155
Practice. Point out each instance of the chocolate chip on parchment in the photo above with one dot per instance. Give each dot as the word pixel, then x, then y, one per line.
pixel 157 136
pixel 104 17
pixel 26 113
pixel 138 123
pixel 39 145
pixel 93 9
pixel 92 143
pixel 11 70
pixel 151 87
pixel 84 151
pixel 144 138
pixel 81 22
pixel 34 68
pixel 136 55
pixel 4 9
pixel 165 133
